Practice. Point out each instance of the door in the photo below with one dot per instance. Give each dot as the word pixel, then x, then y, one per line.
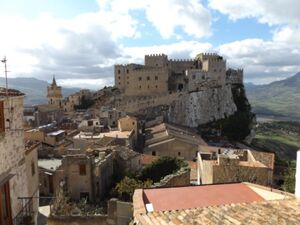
pixel 5 207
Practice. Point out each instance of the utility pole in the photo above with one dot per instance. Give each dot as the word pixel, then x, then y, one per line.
pixel 5 71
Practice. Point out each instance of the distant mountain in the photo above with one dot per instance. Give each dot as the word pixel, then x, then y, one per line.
pixel 35 90
pixel 279 98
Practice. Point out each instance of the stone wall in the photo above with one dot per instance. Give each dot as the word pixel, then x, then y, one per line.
pixel 77 220
pixel 231 173
pixel 180 178
pixel 12 151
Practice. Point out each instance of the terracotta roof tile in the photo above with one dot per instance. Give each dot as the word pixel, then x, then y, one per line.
pixel 265 212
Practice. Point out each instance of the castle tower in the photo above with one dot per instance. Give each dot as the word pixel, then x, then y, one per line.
pixel 54 95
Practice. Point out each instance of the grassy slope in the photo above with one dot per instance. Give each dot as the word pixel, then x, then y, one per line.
pixel 281 137
pixel 279 98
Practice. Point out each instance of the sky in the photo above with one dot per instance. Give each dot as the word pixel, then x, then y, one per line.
pixel 79 41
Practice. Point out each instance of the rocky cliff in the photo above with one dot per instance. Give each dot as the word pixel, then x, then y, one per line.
pixel 196 108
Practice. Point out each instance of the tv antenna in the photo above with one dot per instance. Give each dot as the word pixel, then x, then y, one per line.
pixel 4 60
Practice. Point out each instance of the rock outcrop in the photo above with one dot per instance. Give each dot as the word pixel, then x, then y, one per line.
pixel 196 108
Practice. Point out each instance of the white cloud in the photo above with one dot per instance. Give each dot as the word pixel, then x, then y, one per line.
pixel 266 11
pixel 262 60
pixel 178 50
pixel 287 34
pixel 166 15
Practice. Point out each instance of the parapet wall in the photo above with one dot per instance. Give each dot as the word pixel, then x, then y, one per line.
pixel 141 103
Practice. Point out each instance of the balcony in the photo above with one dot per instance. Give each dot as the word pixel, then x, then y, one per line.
pixel 26 214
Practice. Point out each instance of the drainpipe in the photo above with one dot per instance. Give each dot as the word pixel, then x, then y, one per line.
pixel 297 180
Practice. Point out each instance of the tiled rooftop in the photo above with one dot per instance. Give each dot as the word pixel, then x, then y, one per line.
pixel 265 212
pixel 199 196
pixel 10 92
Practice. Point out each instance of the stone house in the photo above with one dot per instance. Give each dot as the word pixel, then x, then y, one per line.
pixel 87 176
pixel 234 165
pixel 15 163
pixel 170 140
pixel 50 174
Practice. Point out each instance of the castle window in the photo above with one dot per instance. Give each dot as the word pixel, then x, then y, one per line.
pixel 127 77
pixel 140 78
pixel 2 121
pixel 119 83
pixel 156 86
pixel 32 168
pixel 154 153
pixel 133 123
pixel 179 153
pixel 140 87
pixel 148 78
pixel 156 64
pixel 127 82
pixel 119 71
pixel 148 86
pixel 127 71
pixel 215 70
pixel 156 77
pixel 119 78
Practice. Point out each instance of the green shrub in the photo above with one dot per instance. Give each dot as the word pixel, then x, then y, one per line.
pixel 161 168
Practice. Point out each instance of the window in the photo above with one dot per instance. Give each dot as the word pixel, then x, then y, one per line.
pixel 32 168
pixel 133 123
pixel 148 78
pixel 119 83
pixel 156 77
pixel 148 86
pixel 82 169
pixel 154 153
pixel 140 87
pixel 156 86
pixel 2 121
pixel 90 123
pixel 140 78
pixel 127 77
pixel 5 207
pixel 127 71
pixel 119 78
pixel 119 71
pixel 179 153
pixel 127 82
pixel 194 76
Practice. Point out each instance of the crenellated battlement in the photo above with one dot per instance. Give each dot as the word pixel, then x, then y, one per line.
pixel 181 60
pixel 156 55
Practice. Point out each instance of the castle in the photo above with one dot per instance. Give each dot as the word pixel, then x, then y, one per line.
pixel 160 75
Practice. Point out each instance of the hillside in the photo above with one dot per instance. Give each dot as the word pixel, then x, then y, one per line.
pixel 281 137
pixel 35 90
pixel 280 98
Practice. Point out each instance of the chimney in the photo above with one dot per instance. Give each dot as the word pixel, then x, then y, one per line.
pixel 297 182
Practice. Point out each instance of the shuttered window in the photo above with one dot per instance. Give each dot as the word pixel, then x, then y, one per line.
pixel 5 207
pixel 2 123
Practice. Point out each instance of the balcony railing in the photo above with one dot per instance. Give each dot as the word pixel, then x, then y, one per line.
pixel 26 214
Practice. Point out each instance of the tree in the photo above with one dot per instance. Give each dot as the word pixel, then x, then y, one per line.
pixel 289 178
pixel 161 167
pixel 125 188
